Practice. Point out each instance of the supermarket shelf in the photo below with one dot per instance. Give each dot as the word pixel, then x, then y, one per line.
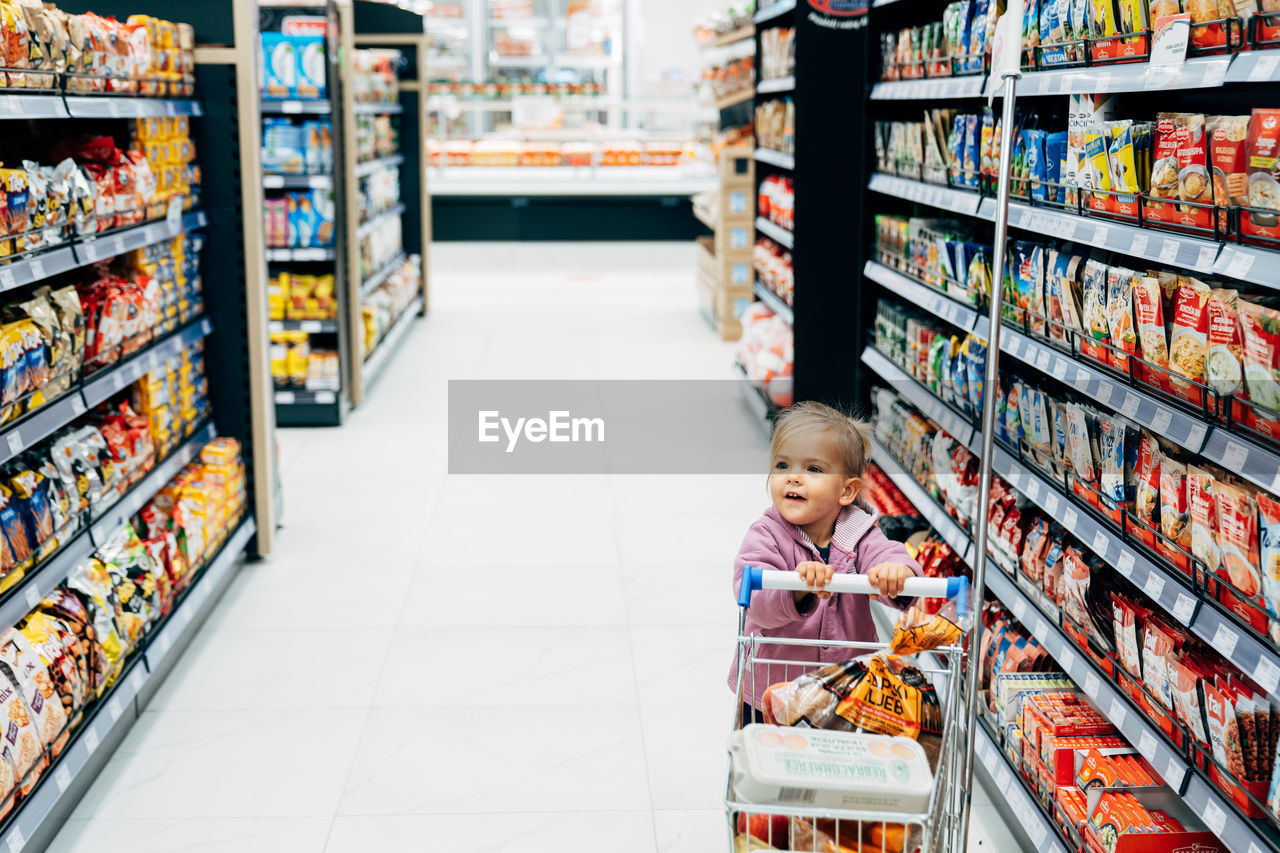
pixel 756 399
pixel 942 87
pixel 1168 589
pixel 955 424
pixel 306 398
pixel 1113 704
pixel 382 274
pixel 110 381
pixel 774 301
pixel 118 515
pixel 377 109
pixel 377 360
pixel 775 232
pixel 32 106
pixel 286 255
pixel 1146 243
pixel 369 167
pixel 732 37
pixel 950 531
pixel 931 299
pixel 107 722
pixel 1255 66
pixel 126 240
pixel 1222 820
pixel 776 10
pixel 311 327
pixel 775 158
pixel 1249 263
pixel 313 107
pixel 1040 830
pixel 943 198
pixel 1203 73
pixel 371 225
pixel 44 578
pixel 741 96
pixel 782 84
pixel 280 182
pixel 36 267
pixel 1173 423
pixel 99 106
pixel 1247 458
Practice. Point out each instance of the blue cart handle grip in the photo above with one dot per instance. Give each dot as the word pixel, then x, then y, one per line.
pixel 755 578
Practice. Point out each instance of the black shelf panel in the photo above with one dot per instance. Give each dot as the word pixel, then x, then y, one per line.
pixel 110 244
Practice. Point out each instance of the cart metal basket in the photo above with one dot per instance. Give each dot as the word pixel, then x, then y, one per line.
pixel 935 830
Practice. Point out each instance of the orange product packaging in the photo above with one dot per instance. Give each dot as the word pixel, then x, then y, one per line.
pixel 1264 171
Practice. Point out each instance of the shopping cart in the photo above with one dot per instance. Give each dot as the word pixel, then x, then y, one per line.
pixel 934 830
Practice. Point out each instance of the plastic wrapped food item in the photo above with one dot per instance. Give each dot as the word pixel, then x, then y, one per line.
pixel 827 769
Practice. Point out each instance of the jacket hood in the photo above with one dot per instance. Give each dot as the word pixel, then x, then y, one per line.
pixel 853 522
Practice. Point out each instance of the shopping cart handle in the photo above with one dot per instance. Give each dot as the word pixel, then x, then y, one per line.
pixel 754 578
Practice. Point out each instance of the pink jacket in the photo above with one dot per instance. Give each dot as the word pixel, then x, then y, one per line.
pixel 774 543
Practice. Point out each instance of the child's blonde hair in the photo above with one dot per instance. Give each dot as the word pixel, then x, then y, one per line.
pixel 852 436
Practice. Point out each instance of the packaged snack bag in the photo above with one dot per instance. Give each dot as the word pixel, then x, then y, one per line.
pixel 1238 537
pixel 1264 170
pixel 1228 141
pixel 1203 512
pixel 1260 331
pixel 1124 338
pixel 1269 522
pixel 1189 340
pixel 1174 512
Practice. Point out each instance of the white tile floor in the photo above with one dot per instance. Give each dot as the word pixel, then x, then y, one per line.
pixel 396 679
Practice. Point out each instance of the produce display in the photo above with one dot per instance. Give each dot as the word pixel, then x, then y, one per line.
pixel 60 659
pixel 730 77
pixel 507 152
pixel 776 125
pixel 773 268
pixel 766 353
pixel 733 17
pixel 383 306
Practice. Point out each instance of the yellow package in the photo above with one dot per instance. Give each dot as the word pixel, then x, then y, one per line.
pixel 1102 18
pixel 1124 165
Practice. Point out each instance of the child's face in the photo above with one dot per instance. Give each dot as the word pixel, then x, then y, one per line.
pixel 807 483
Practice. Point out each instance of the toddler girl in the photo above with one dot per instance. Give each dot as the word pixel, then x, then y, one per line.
pixel 817 527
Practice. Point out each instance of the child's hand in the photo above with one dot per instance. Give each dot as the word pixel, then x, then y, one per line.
pixel 888 578
pixel 816 576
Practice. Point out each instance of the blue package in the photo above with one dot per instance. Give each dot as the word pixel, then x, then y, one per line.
pixel 278 66
pixel 977 368
pixel 311 58
pixel 972 152
pixel 1033 145
pixel 977 37
pixel 1055 155
pixel 325 221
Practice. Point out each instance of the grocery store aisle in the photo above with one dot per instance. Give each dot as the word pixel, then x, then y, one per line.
pixel 467 663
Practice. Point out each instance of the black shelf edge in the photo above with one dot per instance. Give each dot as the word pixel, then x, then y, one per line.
pixel 775 158
pixel 110 381
pixel 274 181
pixel 774 301
pixel 276 256
pixel 775 11
pixel 301 397
pixel 114 243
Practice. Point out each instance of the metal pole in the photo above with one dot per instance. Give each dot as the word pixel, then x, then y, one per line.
pixel 989 394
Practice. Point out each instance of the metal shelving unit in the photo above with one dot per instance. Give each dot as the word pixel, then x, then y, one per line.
pixel 372 24
pixel 233 326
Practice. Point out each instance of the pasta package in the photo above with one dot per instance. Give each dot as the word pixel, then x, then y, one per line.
pixel 1238 538
pixel 1147 494
pixel 1203 512
pixel 1175 527
pixel 1189 340
pixel 1124 339
pixel 1222 369
pixel 1229 156
pixel 1148 313
pixel 1097 327
pixel 1269 524
pixel 1264 175
pixel 1260 331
